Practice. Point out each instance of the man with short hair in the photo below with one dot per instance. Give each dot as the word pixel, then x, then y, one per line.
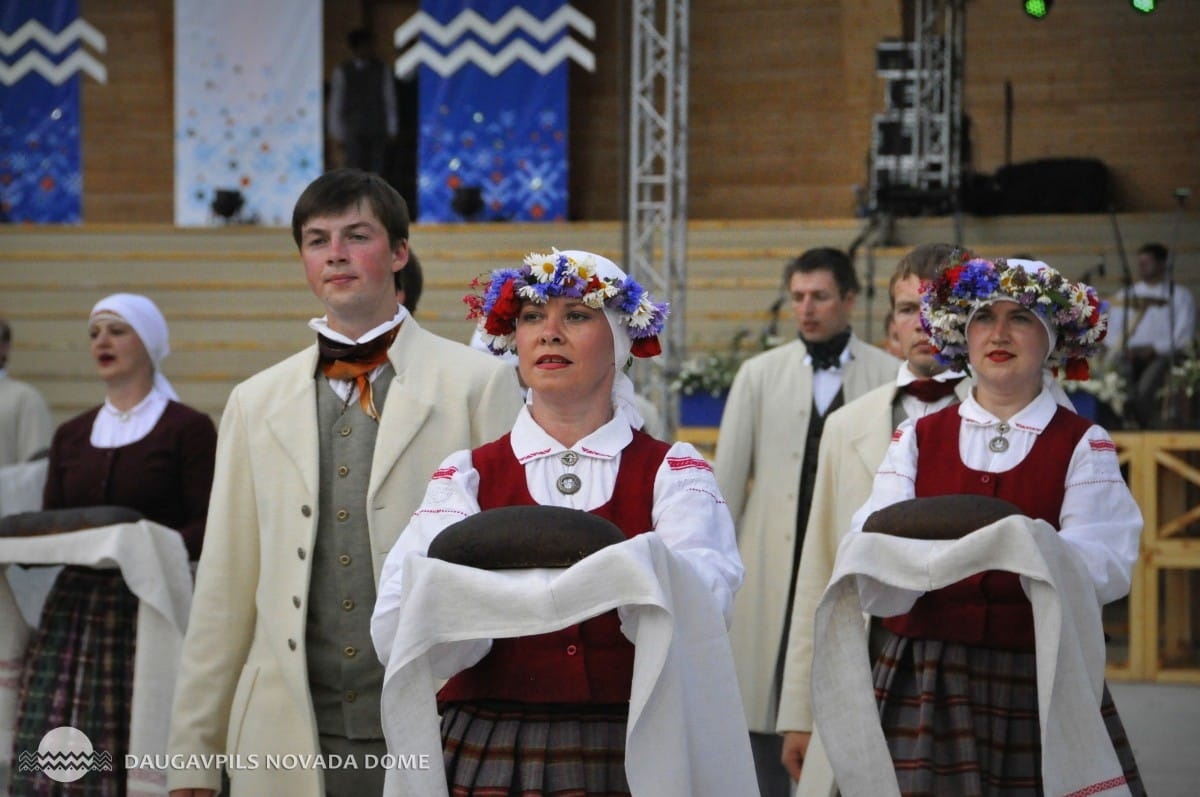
pixel 1161 318
pixel 766 463
pixel 321 459
pixel 855 441
pixel 363 116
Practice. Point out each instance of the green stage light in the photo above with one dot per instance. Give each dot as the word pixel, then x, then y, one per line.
pixel 1144 6
pixel 1038 9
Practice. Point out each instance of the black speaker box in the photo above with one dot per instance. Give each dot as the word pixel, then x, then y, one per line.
pixel 1053 185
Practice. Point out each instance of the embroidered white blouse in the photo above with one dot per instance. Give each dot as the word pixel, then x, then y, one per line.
pixel 689 514
pixel 1099 519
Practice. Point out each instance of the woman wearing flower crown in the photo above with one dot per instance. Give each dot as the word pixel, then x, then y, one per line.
pixel 955 681
pixel 549 716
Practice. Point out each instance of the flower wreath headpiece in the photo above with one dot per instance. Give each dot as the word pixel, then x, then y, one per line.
pixel 1073 309
pixel 595 280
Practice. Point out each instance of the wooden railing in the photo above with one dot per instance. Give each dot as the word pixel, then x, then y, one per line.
pixel 1153 633
pixel 1163 471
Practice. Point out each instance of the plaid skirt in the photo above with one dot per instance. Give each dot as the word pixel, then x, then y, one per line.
pixel 525 749
pixel 963 721
pixel 79 672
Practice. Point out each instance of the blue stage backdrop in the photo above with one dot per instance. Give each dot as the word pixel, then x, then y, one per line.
pixel 493 106
pixel 41 55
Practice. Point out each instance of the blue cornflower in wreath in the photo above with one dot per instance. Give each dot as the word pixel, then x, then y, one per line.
pixel 1073 312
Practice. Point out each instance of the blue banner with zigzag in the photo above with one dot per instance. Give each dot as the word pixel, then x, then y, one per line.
pixel 41 54
pixel 492 138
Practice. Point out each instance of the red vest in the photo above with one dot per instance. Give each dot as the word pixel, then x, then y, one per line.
pixel 587 663
pixel 988 609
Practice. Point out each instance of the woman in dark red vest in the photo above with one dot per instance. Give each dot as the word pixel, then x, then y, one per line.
pixel 547 714
pixel 956 680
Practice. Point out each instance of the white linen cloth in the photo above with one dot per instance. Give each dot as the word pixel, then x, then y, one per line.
pixel 1077 753
pixel 154 565
pixel 22 485
pixel 21 488
pixel 1099 517
pixel 686 736
pixel 688 514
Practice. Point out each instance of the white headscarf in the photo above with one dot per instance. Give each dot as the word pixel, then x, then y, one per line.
pixel 147 321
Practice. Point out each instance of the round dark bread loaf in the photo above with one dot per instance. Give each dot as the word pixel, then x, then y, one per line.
pixel 511 537
pixel 57 521
pixel 940 517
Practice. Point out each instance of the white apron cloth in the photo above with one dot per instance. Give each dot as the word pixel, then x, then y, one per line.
pixel 154 564
pixel 1077 753
pixel 686 735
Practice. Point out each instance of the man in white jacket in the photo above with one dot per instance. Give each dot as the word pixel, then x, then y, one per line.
pixel 321 459
pixel 854 443
pixel 766 464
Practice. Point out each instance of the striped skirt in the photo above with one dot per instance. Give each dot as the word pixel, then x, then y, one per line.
pixel 526 749
pixel 963 721
pixel 79 673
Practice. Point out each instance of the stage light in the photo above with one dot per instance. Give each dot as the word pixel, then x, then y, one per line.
pixel 1038 9
pixel 227 203
pixel 1144 6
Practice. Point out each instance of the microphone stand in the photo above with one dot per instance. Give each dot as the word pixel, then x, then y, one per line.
pixel 1126 306
pixel 872 222
pixel 1126 279
pixel 1181 196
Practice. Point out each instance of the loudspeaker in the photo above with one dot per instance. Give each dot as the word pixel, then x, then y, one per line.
pixel 1054 185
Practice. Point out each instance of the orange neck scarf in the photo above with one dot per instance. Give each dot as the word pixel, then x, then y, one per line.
pixel 342 361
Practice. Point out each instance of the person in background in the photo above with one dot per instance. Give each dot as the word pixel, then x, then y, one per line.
pixel 321 460
pixel 766 466
pixel 1160 317
pixel 25 421
pixel 141 449
pixel 410 283
pixel 855 440
pixel 956 679
pixel 572 318
pixel 362 115
pixel 891 340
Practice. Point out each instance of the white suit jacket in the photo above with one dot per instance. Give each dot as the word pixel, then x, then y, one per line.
pixel 760 452
pixel 243 682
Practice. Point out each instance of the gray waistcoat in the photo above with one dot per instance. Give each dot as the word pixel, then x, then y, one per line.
pixel 344 675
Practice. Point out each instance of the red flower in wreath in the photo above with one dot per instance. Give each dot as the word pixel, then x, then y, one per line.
pixel 502 319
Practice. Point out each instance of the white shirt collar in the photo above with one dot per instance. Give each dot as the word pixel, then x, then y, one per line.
pixel 530 441
pixel 113 428
pixel 321 327
pixel 1034 417
pixel 907 377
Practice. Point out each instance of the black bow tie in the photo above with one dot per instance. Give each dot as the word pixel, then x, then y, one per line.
pixel 827 353
pixel 335 351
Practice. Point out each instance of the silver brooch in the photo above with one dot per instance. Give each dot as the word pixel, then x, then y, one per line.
pixel 568 484
pixel 999 444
